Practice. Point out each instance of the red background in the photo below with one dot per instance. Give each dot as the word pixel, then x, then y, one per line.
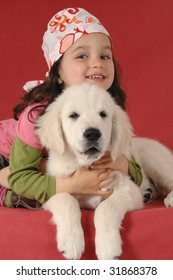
pixel 142 34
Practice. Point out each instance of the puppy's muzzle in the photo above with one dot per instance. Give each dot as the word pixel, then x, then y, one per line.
pixel 92 136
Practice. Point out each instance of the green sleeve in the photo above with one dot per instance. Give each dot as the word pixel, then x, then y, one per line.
pixel 25 178
pixel 135 171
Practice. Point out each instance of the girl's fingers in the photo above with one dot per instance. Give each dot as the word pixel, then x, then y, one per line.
pixel 105 157
pixel 107 181
pixel 103 193
pixel 102 160
pixel 105 174
pixel 100 166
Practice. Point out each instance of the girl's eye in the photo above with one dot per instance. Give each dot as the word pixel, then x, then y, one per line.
pixel 82 56
pixel 105 57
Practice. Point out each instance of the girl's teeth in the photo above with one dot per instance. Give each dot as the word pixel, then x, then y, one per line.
pixel 95 77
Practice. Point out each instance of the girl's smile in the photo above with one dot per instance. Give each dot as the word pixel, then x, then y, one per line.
pixel 88 59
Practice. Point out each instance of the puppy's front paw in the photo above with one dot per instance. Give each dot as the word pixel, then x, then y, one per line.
pixel 150 193
pixel 71 243
pixel 108 245
pixel 168 201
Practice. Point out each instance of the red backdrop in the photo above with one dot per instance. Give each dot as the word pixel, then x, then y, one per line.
pixel 143 45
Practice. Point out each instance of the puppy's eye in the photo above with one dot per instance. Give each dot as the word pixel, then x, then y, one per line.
pixel 74 116
pixel 103 114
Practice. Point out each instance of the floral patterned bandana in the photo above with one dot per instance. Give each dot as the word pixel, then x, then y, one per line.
pixel 65 28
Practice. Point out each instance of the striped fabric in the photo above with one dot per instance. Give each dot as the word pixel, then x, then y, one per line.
pixel 3 192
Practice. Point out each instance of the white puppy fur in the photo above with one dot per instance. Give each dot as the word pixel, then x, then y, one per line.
pixel 78 128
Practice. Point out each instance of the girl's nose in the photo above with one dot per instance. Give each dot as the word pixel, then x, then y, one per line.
pixel 96 63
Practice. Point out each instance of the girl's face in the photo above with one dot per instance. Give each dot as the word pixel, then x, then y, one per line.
pixel 89 59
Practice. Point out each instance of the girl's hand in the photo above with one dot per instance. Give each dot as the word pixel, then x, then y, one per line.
pixel 4 173
pixel 86 182
pixel 120 164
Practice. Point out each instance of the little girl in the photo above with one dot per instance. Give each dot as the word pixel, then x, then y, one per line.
pixel 77 49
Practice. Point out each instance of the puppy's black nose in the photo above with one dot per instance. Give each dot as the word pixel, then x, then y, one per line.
pixel 92 134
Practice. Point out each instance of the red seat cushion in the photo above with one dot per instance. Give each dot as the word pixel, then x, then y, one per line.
pixel 29 234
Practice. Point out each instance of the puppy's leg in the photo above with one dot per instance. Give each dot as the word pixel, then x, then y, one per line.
pixel 66 215
pixel 157 163
pixel 109 215
pixel 168 201
pixel 150 190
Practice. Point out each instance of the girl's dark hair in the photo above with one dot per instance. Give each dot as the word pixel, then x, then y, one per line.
pixel 47 91
pixel 115 90
pixel 50 89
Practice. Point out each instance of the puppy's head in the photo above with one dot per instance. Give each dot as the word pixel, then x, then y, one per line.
pixel 85 121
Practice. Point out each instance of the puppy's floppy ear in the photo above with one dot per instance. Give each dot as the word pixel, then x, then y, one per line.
pixel 49 130
pixel 122 133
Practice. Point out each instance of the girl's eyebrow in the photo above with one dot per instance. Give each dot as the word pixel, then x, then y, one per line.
pixel 80 48
pixel 85 47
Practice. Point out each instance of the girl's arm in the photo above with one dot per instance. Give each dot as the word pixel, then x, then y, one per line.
pixel 27 180
pixel 128 167
pixel 25 177
pixel 86 182
pixel 4 173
